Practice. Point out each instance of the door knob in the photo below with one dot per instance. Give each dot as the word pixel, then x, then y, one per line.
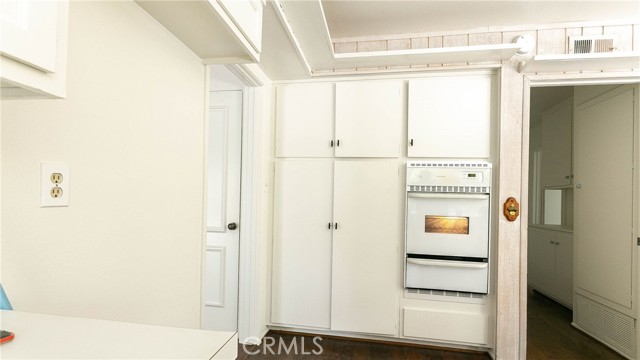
pixel 232 226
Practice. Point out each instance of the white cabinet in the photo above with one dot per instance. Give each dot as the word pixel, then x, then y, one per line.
pixel 301 284
pixel 369 118
pixel 33 48
pixel 217 31
pixel 365 247
pixel 336 236
pixel 556 145
pixel 551 263
pixel 346 119
pixel 304 120
pixel 247 15
pixel 451 116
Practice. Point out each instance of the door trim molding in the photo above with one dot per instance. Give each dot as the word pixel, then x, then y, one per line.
pixel 546 80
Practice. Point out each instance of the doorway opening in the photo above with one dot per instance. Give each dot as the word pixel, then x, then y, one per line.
pixel 577 170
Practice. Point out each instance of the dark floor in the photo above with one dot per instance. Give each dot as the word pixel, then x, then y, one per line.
pixel 550 337
pixel 345 349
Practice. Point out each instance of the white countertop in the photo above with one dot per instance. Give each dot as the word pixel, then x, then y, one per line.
pixel 39 336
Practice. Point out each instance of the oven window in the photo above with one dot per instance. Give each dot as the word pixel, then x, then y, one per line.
pixel 446 224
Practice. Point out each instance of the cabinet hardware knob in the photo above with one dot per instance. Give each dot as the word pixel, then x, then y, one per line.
pixel 551 242
pixel 329 227
pixel 335 226
pixel 411 142
pixel 331 144
pixel 567 177
pixel 232 226
pixel 578 186
pixel 338 142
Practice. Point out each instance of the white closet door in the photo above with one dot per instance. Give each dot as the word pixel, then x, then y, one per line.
pixel 603 218
pixel 304 120
pixel 369 118
pixel 366 266
pixel 301 287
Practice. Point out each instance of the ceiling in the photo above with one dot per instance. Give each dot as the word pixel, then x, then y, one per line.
pixel 358 18
pixel 298 34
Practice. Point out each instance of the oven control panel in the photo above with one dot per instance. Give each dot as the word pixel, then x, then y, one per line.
pixel 472 176
pixel 448 174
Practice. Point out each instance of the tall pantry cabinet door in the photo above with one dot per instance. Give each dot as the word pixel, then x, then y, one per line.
pixel 304 120
pixel 365 278
pixel 450 116
pixel 301 284
pixel 369 118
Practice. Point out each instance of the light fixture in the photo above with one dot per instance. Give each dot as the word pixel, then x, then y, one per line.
pixel 527 44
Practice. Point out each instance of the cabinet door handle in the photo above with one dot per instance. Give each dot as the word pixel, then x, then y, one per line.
pixel 335 226
pixel 411 142
pixel 331 144
pixel 337 142
pixel 551 242
pixel 329 227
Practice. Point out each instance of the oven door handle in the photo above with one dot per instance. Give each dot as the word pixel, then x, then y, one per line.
pixel 448 263
pixel 447 196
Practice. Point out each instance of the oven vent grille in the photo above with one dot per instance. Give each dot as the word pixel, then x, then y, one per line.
pixel 455 294
pixel 483 165
pixel 450 189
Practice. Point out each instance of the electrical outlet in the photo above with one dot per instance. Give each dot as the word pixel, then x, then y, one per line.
pixel 54 185
pixel 56 178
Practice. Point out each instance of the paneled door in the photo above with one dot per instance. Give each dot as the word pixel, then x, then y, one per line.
pixel 603 219
pixel 223 210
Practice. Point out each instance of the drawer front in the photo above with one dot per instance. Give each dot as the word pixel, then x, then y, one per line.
pixel 448 326
pixel 447 275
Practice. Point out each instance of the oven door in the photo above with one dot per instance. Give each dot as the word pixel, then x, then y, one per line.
pixel 447 275
pixel 448 224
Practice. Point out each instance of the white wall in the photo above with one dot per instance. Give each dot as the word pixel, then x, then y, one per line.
pixel 131 129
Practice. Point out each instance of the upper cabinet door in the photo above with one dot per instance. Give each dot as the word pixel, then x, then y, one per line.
pixel 450 116
pixel 369 118
pixel 247 15
pixel 556 145
pixel 29 32
pixel 304 120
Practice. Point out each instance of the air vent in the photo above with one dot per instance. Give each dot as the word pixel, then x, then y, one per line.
pixel 591 44
pixel 449 189
pixel 613 328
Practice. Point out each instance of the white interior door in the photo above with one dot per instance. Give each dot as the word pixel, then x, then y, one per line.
pixel 603 218
pixel 223 211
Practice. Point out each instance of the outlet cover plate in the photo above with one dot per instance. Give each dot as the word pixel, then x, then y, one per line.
pixel 48 183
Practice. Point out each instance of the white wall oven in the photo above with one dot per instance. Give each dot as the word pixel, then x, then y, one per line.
pixel 447 226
